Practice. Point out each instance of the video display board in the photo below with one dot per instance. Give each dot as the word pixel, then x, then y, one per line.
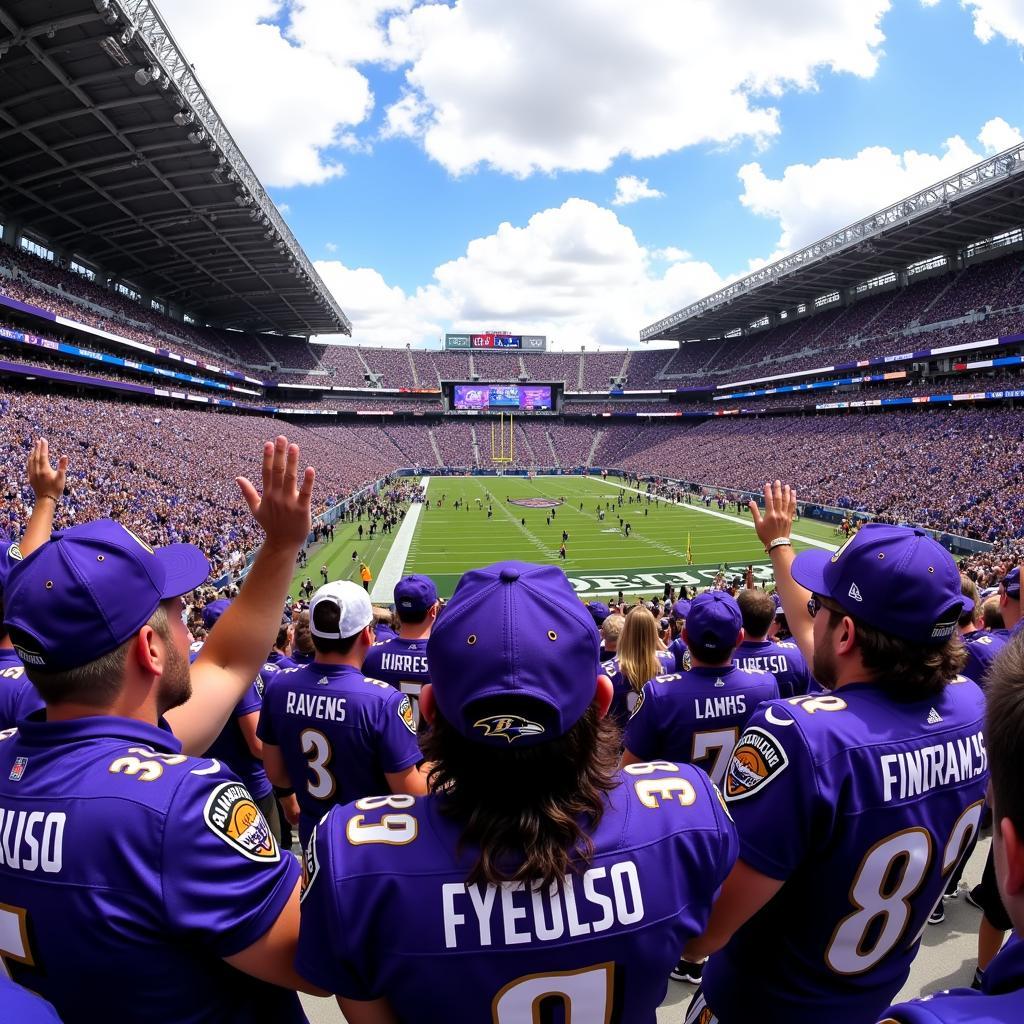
pixel 522 397
pixel 492 341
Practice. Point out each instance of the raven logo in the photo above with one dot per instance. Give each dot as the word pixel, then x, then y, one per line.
pixel 511 727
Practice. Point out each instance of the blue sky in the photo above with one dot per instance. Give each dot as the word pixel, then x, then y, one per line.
pixel 398 136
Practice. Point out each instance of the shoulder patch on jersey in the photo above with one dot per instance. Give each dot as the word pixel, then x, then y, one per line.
pixel 232 815
pixel 757 759
pixel 14 553
pixel 639 703
pixel 406 715
pixel 310 865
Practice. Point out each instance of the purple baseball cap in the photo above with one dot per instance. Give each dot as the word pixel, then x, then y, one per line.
pixel 10 556
pixel 214 610
pixel 415 594
pixel 89 589
pixel 598 611
pixel 681 609
pixel 713 625
pixel 894 578
pixel 1010 583
pixel 515 657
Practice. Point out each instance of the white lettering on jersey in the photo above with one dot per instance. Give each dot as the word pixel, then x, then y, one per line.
pixel 774 663
pixel 913 772
pixel 32 840
pixel 316 705
pixel 12 672
pixel 404 663
pixel 522 913
pixel 717 707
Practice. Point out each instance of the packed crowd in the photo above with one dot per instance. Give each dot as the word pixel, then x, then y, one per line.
pixel 541 804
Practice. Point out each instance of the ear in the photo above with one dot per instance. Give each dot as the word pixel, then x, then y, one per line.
pixel 428 707
pixel 148 651
pixel 846 636
pixel 603 695
pixel 1013 857
pixel 742 636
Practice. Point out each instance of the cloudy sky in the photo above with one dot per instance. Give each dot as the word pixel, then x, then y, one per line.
pixel 581 168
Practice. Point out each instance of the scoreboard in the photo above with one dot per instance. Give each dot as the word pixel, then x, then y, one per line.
pixel 496 341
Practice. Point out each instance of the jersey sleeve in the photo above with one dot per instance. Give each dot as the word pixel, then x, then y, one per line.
pixel 642 736
pixel 396 736
pixel 910 1013
pixel 225 879
pixel 266 728
pixel 772 792
pixel 333 944
pixel 251 702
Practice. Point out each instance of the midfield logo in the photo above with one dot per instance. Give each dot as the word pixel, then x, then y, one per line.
pixel 536 502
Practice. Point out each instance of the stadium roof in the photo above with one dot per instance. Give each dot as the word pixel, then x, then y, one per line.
pixel 977 203
pixel 112 150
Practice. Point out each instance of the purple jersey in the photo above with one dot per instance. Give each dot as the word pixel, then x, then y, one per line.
pixel 232 748
pixel 18 697
pixel 781 658
pixel 862 806
pixel 403 664
pixel 982 648
pixel 339 733
pixel 19 1006
pixel 124 859
pixel 624 697
pixel 279 660
pixel 1000 1001
pixel 697 716
pixel 387 910
pixel 681 655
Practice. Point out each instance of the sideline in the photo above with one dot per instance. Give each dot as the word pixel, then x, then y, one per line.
pixel 721 515
pixel 383 591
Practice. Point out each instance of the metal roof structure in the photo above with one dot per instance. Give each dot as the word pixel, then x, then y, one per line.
pixel 112 150
pixel 976 203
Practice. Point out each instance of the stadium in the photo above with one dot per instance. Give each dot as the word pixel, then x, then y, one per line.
pixel 159 322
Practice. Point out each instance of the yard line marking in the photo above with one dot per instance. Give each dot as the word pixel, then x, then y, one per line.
pixel 394 565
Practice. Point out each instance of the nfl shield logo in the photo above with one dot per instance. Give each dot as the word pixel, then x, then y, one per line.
pixel 18 769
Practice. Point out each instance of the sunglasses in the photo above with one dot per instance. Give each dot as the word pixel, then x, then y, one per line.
pixel 816 603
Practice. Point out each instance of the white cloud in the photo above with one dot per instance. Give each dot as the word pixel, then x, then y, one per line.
pixel 630 189
pixel 535 85
pixel 330 247
pixel 996 135
pixel 573 272
pixel 670 254
pixel 811 200
pixel 286 102
pixel 997 17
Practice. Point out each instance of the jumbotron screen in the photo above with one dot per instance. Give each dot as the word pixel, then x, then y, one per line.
pixel 502 396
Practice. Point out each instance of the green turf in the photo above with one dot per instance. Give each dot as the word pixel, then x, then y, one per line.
pixel 600 560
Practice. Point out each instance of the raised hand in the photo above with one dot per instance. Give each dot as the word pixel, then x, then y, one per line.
pixel 779 510
pixel 45 481
pixel 283 510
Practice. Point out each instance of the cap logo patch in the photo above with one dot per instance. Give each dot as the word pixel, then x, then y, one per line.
pixel 29 657
pixel 232 815
pixel 511 727
pixel 757 759
pixel 855 592
pixel 406 715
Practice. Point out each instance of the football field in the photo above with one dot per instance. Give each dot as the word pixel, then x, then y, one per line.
pixel 526 522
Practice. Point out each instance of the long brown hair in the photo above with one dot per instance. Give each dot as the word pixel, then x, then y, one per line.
pixel 529 812
pixel 637 648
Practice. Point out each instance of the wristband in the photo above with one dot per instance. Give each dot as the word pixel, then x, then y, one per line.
pixel 779 542
pixel 56 501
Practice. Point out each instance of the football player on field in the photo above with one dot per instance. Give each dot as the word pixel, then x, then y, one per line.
pixel 853 807
pixel 535 878
pixel 1001 1000
pixel 132 874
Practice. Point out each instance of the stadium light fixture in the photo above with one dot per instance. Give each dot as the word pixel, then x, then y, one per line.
pixel 197 136
pixel 146 75
pixel 183 118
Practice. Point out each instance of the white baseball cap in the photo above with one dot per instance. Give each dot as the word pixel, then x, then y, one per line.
pixel 353 604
